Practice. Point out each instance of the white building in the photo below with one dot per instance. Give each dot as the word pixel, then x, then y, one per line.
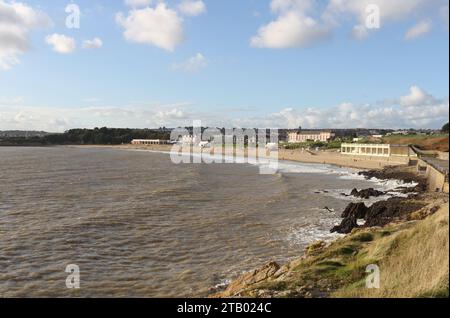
pixel 190 140
pixel 149 142
pixel 378 150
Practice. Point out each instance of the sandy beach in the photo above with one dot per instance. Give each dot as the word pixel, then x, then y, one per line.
pixel 298 155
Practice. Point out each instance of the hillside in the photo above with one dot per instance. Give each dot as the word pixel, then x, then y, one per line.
pixel 412 256
pixel 424 142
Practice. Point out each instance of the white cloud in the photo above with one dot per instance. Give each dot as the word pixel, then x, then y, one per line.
pixel 193 64
pixel 389 10
pixel 418 30
pixel 159 26
pixel 95 43
pixel 137 3
pixel 417 109
pixel 60 119
pixel 168 115
pixel 300 23
pixel 61 43
pixel 17 20
pixel 293 27
pixel 417 97
pixel 192 7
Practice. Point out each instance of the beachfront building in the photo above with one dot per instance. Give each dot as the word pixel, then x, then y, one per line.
pixel 303 136
pixel 190 139
pixel 379 150
pixel 149 142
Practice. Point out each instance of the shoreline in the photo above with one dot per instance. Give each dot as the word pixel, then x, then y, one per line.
pixel 273 280
pixel 321 157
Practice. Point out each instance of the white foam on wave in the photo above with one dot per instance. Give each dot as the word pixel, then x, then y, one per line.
pixel 285 166
pixel 306 231
pixel 313 232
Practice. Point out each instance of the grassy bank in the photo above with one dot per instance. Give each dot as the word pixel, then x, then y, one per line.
pixel 334 144
pixel 412 257
pixel 424 142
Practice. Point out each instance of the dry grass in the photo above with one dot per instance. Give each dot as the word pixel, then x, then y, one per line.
pixel 413 258
pixel 413 262
pixel 423 142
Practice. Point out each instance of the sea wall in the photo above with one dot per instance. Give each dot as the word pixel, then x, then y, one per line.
pixel 437 180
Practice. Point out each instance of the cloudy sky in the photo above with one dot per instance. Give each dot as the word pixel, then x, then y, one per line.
pixel 260 63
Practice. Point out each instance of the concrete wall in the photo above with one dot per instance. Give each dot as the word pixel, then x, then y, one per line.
pixel 442 155
pixel 437 181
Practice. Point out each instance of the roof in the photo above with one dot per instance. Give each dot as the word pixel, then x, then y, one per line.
pixel 311 132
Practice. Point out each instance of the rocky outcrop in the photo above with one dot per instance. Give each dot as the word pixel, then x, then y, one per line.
pixel 346 226
pixel 379 214
pixel 384 212
pixel 355 210
pixel 351 214
pixel 366 193
pixel 318 273
pixel 250 278
pixel 398 173
pixel 391 173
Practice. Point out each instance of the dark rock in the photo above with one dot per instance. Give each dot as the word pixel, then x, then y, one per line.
pixel 379 214
pixel 398 174
pixel 387 211
pixel 351 214
pixel 346 226
pixel 367 193
pixel 384 212
pixel 357 210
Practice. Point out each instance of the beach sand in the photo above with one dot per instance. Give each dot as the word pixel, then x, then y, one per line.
pixel 298 155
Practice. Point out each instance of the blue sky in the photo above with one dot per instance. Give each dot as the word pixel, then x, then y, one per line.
pixel 294 72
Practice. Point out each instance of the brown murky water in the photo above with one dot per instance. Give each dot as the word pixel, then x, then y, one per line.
pixel 139 226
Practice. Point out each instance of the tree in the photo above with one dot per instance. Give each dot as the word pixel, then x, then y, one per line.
pixel 445 128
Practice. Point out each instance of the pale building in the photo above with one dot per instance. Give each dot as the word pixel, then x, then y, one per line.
pixel 303 136
pixel 149 142
pixel 191 140
pixel 379 150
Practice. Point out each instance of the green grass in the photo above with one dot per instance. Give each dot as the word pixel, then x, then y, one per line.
pixel 412 256
pixel 333 144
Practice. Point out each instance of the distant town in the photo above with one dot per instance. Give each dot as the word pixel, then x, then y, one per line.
pixel 288 138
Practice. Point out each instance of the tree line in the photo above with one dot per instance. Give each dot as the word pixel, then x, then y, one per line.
pixel 96 136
